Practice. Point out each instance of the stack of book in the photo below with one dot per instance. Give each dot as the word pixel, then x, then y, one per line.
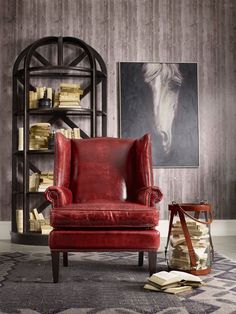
pixel 70 133
pixel 173 282
pixel 45 180
pixel 38 136
pixel 179 255
pixel 69 96
pixel 38 223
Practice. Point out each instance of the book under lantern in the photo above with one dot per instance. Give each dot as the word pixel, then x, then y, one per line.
pixel 179 254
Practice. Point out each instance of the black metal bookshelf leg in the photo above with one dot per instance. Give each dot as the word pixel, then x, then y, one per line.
pixel 55 265
pixel 152 260
pixel 140 258
pixel 65 259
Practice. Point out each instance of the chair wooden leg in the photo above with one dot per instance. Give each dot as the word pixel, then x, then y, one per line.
pixel 140 258
pixel 152 260
pixel 65 259
pixel 55 265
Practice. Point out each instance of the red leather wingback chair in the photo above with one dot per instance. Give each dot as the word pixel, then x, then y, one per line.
pixel 103 198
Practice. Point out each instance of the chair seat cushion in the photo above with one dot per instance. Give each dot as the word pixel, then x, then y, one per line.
pixel 111 240
pixel 102 214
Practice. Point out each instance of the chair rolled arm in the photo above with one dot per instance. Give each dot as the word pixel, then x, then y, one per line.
pixel 58 196
pixel 150 195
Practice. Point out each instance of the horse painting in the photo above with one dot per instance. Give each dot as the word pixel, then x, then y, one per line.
pixel 165 81
pixel 161 99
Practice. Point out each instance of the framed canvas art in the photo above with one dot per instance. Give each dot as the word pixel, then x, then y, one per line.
pixel 161 99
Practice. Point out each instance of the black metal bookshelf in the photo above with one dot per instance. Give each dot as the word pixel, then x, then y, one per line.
pixel 38 62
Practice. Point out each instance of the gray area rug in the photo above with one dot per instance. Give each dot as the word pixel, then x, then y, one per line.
pixel 106 283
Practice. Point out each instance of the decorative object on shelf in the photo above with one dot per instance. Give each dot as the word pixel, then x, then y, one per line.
pixel 44 103
pixel 162 99
pixel 68 70
pixel 191 247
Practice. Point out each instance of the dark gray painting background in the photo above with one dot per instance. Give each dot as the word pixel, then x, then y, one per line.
pixel 137 117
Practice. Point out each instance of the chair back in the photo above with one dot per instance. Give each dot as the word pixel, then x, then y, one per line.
pixel 107 169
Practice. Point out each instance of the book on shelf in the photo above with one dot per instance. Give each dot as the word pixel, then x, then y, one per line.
pixel 76 133
pixel 33 100
pixel 39 182
pixel 70 96
pixel 46 180
pixel 38 223
pixel 70 88
pixel 173 282
pixel 34 182
pixel 40 91
pixel 20 138
pixel 19 220
pixel 70 133
pixel 46 229
pixel 49 93
pixel 69 104
pixel 36 214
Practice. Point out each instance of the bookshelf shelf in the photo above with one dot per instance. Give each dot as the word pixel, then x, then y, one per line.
pixel 30 238
pixel 35 152
pixel 60 71
pixel 69 111
pixel 49 62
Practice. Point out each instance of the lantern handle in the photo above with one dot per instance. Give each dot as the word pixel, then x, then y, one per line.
pixel 207 222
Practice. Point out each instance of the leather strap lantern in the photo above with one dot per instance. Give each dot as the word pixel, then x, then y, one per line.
pixel 191 247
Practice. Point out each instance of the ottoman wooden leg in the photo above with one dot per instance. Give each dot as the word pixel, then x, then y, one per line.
pixel 140 258
pixel 65 259
pixel 152 260
pixel 55 265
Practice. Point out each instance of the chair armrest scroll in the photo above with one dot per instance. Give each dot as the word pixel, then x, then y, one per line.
pixel 149 195
pixel 58 196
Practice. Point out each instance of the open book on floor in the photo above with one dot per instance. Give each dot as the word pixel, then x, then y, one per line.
pixel 174 290
pixel 173 281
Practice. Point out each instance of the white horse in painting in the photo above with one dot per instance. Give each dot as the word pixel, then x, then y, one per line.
pixel 165 81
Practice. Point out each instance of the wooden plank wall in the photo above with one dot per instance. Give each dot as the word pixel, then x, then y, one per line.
pixel 200 31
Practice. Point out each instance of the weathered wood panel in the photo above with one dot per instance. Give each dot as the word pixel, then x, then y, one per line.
pixel 142 30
